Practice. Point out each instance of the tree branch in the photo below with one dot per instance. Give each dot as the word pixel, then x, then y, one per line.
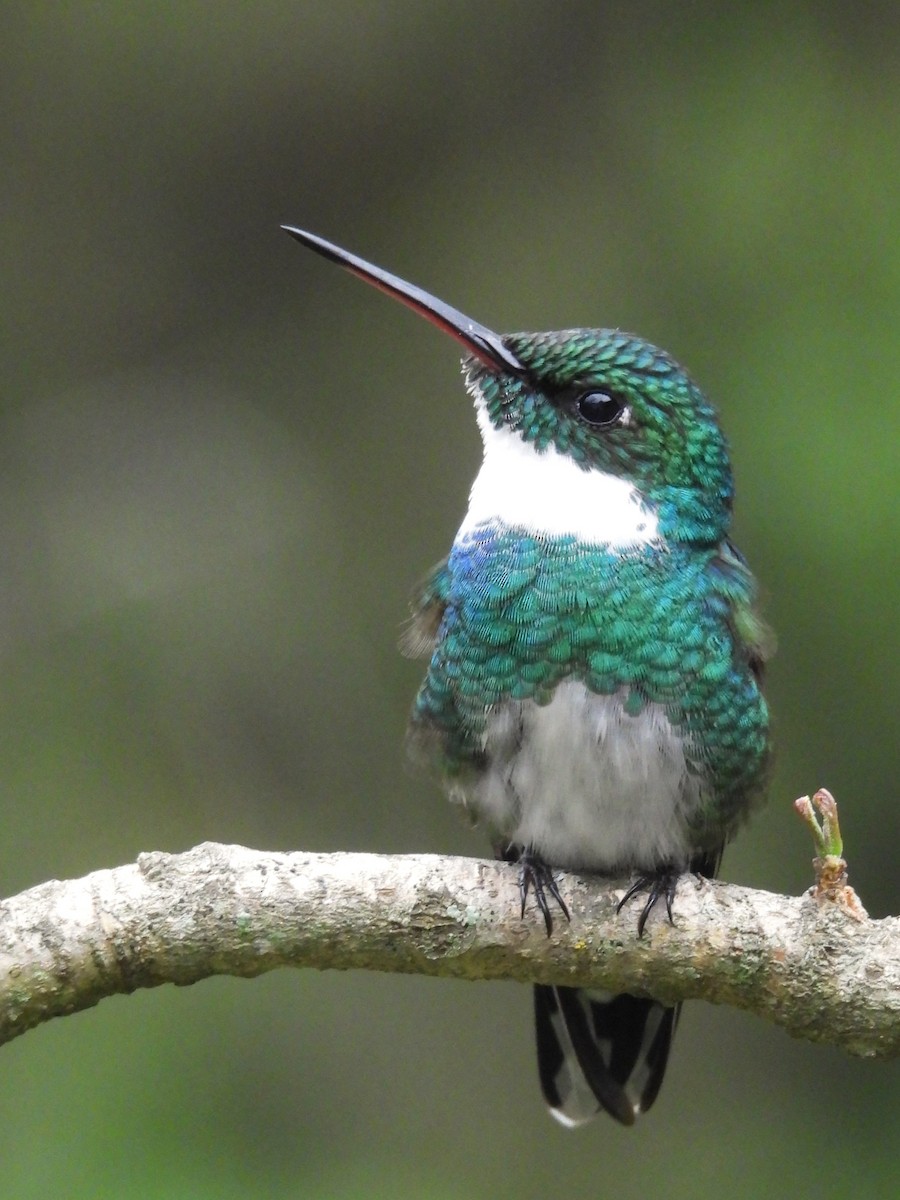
pixel 225 910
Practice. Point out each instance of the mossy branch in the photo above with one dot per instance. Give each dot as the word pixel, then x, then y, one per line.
pixel 807 964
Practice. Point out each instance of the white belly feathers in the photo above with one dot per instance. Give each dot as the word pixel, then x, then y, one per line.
pixel 584 784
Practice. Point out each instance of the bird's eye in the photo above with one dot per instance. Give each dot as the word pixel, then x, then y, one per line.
pixel 600 409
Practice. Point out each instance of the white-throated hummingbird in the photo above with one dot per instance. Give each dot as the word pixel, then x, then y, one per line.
pixel 593 690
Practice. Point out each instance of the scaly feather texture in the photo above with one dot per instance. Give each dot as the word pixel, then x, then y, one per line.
pixel 651 635
pixel 593 695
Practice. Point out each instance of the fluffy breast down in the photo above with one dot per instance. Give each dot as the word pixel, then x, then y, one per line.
pixel 585 784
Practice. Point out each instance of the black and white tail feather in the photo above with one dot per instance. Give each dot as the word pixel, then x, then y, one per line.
pixel 600 1052
pixel 604 1051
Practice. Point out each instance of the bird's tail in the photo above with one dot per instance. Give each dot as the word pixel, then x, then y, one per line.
pixel 599 1051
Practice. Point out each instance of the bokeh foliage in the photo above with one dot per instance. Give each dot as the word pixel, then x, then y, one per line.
pixel 224 465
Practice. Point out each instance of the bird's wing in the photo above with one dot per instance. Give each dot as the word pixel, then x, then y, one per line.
pixel 751 629
pixel 427 606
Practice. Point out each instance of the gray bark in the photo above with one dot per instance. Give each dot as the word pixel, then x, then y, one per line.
pixel 813 967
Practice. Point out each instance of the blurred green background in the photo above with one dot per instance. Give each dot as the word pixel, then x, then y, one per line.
pixel 224 464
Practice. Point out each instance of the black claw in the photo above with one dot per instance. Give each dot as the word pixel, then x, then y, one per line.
pixel 661 884
pixel 535 875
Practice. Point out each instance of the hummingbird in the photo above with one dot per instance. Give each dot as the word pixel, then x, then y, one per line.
pixel 595 653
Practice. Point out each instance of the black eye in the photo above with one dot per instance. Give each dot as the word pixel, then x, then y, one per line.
pixel 600 409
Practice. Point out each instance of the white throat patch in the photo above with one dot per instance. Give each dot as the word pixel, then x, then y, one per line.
pixel 547 492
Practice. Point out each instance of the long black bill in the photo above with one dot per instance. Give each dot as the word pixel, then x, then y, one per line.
pixel 477 339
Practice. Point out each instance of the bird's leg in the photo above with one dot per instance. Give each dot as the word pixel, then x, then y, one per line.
pixel 659 884
pixel 537 877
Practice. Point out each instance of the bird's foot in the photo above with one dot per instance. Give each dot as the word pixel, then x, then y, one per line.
pixel 660 885
pixel 537 877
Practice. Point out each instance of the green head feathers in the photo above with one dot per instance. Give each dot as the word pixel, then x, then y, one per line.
pixel 614 403
pixel 606 400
